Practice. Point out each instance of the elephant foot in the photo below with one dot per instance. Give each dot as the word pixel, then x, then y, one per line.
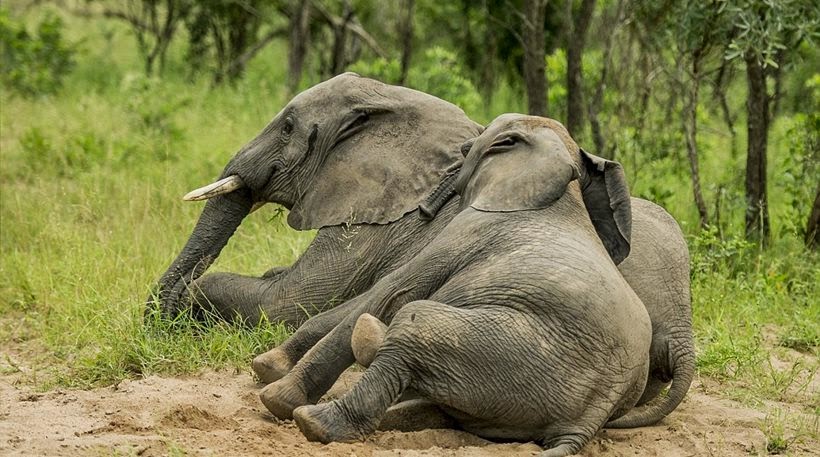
pixel 281 398
pixel 325 423
pixel 367 338
pixel 271 366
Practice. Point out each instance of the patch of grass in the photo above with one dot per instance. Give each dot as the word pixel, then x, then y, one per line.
pixel 802 335
pixel 746 302
pixel 784 432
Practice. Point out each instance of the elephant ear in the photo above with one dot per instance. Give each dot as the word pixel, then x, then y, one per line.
pixel 521 178
pixel 606 196
pixel 382 173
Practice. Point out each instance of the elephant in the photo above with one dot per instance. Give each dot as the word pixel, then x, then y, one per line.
pixel 371 166
pixel 514 320
pixel 351 157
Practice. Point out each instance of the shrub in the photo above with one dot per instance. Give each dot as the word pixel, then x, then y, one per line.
pixel 34 64
pixel 437 72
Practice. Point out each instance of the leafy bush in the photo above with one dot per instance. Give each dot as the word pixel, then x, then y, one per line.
pixel 78 153
pixel 802 172
pixel 711 254
pixel 153 106
pixel 387 70
pixel 34 64
pixel 438 72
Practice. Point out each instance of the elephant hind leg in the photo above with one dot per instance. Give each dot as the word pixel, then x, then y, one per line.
pixel 357 413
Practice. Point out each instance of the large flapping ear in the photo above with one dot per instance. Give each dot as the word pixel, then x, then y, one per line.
pixel 606 196
pixel 386 170
pixel 519 178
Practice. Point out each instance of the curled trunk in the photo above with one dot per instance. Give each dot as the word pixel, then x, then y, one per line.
pixel 217 223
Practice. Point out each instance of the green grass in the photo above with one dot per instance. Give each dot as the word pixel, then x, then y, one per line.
pixel 91 215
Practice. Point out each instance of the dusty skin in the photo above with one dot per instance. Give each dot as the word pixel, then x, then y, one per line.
pixel 219 413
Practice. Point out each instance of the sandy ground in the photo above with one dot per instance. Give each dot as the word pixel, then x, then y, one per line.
pixel 219 413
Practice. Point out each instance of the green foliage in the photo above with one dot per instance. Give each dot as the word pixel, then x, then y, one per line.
pixel 77 154
pixel 438 73
pixel 387 70
pixel 764 28
pixel 556 68
pixel 711 254
pixel 34 64
pixel 153 106
pixel 801 171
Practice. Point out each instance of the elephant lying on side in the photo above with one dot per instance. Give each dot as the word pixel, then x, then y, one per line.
pixel 354 158
pixel 514 320
pixel 351 157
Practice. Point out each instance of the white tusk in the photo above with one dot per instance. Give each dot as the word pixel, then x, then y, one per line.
pixel 223 186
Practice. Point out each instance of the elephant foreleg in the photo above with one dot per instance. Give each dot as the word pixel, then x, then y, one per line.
pixel 276 363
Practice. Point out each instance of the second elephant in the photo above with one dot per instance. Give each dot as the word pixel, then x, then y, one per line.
pixel 514 320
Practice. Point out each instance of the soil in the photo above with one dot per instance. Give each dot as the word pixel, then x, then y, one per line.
pixel 219 413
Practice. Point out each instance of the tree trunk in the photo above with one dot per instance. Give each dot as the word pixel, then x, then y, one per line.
pixel 722 81
pixel 757 105
pixel 690 129
pixel 298 45
pixel 598 97
pixel 488 75
pixel 338 60
pixel 813 224
pixel 534 51
pixel 406 34
pixel 575 51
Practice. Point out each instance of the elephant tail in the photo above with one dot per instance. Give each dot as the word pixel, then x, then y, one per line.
pixel 682 375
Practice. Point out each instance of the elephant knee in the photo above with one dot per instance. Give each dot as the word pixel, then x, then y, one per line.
pixel 368 337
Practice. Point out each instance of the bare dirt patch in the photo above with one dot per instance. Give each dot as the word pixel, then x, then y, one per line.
pixel 218 413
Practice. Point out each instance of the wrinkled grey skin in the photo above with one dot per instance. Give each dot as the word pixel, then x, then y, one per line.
pixel 514 320
pixel 657 269
pixel 351 157
pixel 362 192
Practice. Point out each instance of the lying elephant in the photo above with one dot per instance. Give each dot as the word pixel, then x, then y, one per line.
pixel 514 320
pixel 353 158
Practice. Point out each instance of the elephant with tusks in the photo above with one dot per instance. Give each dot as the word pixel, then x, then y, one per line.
pixel 372 167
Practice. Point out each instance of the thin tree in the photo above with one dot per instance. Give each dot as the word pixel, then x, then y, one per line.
pixel 154 23
pixel 405 29
pixel 298 43
pixel 813 224
pixel 576 42
pixel 765 36
pixel 757 119
pixel 532 34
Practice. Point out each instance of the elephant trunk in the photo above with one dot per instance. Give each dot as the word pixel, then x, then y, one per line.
pixel 682 374
pixel 217 223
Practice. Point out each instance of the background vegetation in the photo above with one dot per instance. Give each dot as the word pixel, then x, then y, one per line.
pixel 110 111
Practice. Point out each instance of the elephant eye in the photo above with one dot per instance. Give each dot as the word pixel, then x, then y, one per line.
pixel 287 128
pixel 504 142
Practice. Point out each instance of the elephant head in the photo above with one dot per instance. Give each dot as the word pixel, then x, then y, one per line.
pixel 492 178
pixel 349 150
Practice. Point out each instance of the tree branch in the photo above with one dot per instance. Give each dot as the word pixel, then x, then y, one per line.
pixel 337 22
